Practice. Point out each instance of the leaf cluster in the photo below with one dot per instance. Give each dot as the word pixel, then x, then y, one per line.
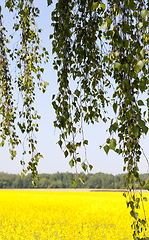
pixel 28 55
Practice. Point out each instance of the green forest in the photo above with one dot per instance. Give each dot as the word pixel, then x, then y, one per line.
pixel 64 180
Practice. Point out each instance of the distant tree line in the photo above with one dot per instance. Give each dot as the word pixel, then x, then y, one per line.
pixel 64 180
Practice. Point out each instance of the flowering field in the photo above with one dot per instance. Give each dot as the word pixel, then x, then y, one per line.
pixel 63 215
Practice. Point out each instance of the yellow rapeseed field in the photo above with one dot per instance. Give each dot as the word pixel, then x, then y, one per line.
pixel 64 215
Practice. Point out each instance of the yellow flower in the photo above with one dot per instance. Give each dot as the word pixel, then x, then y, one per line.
pixel 64 215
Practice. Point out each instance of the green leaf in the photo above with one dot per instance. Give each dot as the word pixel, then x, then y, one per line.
pixel 106 148
pixel 85 142
pixel 113 127
pixel 66 153
pixel 53 96
pixel 142 183
pixel 136 131
pixel 84 166
pixel 13 153
pixel 2 143
pixel 50 36
pixel 78 159
pixel 126 44
pixel 95 5
pixel 140 25
pixel 115 107
pixel 117 53
pixel 60 143
pixel 126 67
pixel 144 114
pixel 49 2
pixel 19 65
pixel 90 167
pixel 144 199
pixel 140 103
pixel 147 102
pixel 144 13
pixel 142 125
pixel 104 25
pixel 145 129
pixel 142 52
pixel 109 21
pixel 112 144
pixel 134 214
pixel 82 179
pixel 102 6
pixel 138 67
pixel 46 84
pixel 74 182
pixel 130 185
pixel 71 163
pixel 77 92
pixel 147 185
pixel 126 28
pixel 124 194
pixel 117 66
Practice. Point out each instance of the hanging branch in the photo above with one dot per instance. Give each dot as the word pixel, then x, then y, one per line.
pixel 94 65
pixel 28 56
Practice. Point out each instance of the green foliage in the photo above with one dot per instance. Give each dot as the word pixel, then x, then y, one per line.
pixel 49 2
pixel 103 45
pixel 98 46
pixel 64 180
pixel 28 56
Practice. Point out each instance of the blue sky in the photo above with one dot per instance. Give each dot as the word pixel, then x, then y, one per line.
pixel 47 137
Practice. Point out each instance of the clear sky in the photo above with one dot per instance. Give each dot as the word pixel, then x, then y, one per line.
pixel 47 137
